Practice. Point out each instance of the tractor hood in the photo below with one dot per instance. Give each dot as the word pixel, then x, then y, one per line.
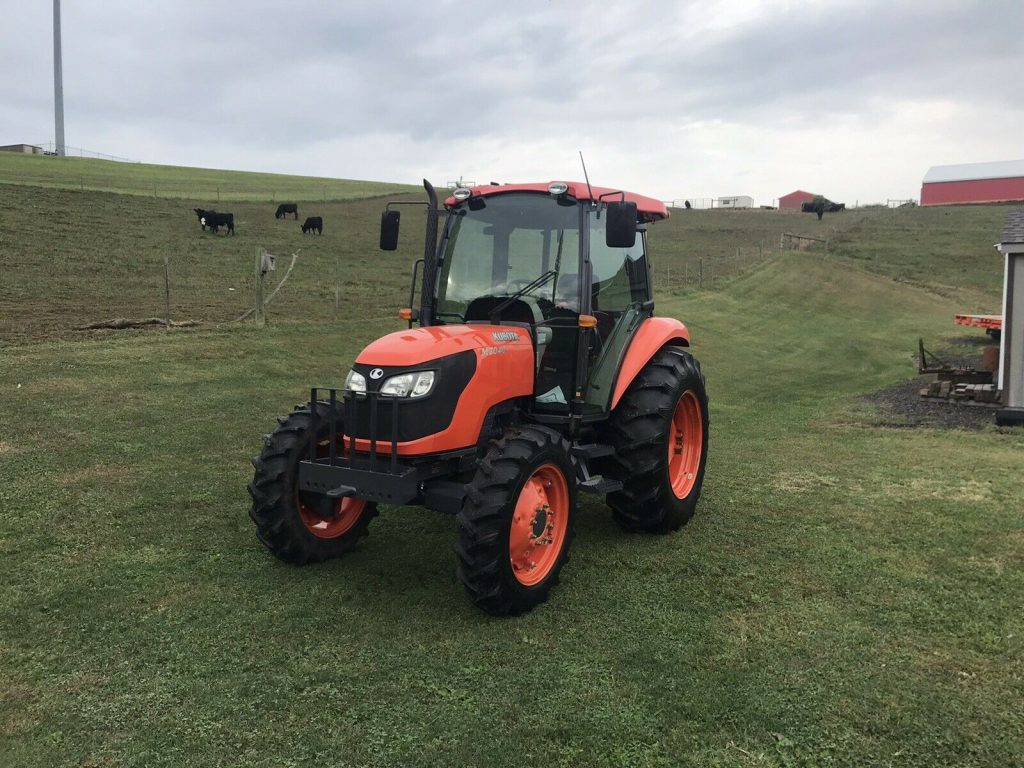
pixel 420 345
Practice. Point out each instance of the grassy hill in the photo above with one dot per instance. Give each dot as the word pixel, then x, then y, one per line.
pixel 846 595
pixel 168 181
pixel 72 257
pixel 947 250
pixel 101 255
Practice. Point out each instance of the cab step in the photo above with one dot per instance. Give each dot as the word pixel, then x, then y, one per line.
pixel 592 450
pixel 601 485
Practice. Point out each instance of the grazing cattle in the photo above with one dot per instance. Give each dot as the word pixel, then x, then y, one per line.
pixel 201 214
pixel 687 204
pixel 821 205
pixel 285 208
pixel 215 221
pixel 313 223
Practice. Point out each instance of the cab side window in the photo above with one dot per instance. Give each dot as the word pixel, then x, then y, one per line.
pixel 619 277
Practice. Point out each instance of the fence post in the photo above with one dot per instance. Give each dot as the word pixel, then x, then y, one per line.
pixel 218 194
pixel 167 291
pixel 760 250
pixel 700 273
pixel 260 310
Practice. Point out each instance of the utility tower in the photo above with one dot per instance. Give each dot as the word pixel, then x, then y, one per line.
pixel 58 84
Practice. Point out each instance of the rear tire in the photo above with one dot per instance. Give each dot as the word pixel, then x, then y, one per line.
pixel 660 433
pixel 300 527
pixel 516 522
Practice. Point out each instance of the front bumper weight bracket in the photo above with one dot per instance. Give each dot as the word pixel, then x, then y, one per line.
pixel 341 492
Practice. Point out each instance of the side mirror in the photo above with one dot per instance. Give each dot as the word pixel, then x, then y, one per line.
pixel 389 230
pixel 621 226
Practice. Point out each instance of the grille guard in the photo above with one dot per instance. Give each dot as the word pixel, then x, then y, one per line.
pixel 374 475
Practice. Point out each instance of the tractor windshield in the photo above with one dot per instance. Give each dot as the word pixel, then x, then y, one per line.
pixel 515 253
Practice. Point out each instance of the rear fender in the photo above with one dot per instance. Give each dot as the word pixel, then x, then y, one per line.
pixel 653 334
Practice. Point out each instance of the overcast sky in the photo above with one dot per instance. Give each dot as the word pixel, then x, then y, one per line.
pixel 854 100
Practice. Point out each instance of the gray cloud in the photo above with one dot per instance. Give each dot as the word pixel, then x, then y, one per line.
pixel 392 90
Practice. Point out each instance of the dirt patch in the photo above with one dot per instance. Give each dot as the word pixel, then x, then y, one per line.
pixel 903 406
pixel 6 447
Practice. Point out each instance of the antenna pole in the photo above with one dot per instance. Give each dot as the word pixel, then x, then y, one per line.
pixel 589 190
pixel 58 84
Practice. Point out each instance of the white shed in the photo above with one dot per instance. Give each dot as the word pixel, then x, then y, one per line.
pixel 1011 358
pixel 737 201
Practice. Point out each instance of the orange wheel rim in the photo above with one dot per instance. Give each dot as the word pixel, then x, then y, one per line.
pixel 343 514
pixel 685 444
pixel 346 513
pixel 539 523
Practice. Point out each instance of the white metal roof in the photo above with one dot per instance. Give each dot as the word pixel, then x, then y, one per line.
pixel 970 171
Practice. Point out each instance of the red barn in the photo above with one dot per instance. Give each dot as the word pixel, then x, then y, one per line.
pixel 973 183
pixel 794 200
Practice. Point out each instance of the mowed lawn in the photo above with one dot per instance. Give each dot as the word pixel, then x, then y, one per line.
pixel 846 594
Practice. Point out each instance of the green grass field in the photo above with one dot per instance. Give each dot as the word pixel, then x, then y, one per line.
pixel 846 595
pixel 167 181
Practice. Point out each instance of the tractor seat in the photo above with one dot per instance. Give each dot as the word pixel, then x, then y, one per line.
pixel 523 310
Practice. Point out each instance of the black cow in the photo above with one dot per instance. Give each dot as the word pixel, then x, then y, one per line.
pixel 201 214
pixel 215 221
pixel 285 208
pixel 821 205
pixel 313 223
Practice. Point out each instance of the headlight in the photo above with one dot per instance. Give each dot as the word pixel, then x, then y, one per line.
pixel 355 382
pixel 409 384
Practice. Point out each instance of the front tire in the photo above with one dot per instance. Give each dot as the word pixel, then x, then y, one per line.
pixel 660 434
pixel 296 526
pixel 516 523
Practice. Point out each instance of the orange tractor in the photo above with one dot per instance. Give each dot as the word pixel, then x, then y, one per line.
pixel 538 371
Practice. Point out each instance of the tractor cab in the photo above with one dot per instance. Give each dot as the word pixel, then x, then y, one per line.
pixel 567 262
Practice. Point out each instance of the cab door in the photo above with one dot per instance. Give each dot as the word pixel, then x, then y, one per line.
pixel 619 294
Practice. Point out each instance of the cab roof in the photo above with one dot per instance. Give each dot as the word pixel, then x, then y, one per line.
pixel 648 209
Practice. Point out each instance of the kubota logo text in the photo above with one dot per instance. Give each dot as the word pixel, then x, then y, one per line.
pixel 505 336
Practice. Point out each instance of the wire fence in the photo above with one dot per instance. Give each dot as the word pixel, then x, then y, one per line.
pixel 50 148
pixel 696 272
pixel 699 272
pixel 700 203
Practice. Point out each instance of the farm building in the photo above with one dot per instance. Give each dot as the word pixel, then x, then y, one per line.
pixel 737 201
pixel 1011 350
pixel 973 183
pixel 27 149
pixel 794 200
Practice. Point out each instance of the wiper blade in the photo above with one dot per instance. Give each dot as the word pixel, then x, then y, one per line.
pixel 537 283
